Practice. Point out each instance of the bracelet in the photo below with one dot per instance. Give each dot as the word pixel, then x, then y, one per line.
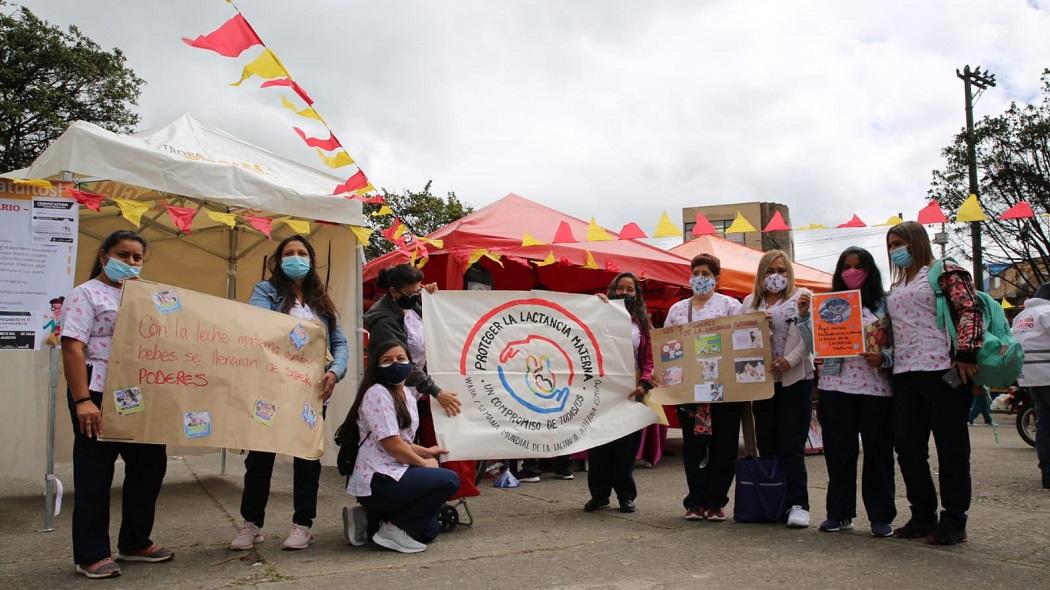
pixel 77 402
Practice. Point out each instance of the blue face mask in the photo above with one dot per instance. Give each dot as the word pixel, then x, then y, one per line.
pixel 119 271
pixel 702 285
pixel 295 267
pixel 901 257
pixel 395 373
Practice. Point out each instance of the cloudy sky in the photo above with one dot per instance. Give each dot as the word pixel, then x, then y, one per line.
pixel 605 107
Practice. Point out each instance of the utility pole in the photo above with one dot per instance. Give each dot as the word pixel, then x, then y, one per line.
pixel 981 80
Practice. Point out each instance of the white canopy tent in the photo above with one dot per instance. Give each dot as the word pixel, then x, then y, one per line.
pixel 189 164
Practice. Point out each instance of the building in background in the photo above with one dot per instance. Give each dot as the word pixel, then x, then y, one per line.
pixel 758 214
pixel 1015 282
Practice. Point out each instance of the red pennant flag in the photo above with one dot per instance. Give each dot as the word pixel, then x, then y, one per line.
pixel 233 37
pixel 263 224
pixel 291 83
pixel 1021 210
pixel 90 200
pixel 932 214
pixel 564 234
pixel 327 145
pixel 632 231
pixel 854 222
pixel 703 227
pixel 183 217
pixel 393 233
pixel 778 224
pixel 376 200
pixel 355 182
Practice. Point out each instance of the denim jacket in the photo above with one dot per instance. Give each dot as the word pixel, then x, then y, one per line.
pixel 834 366
pixel 265 295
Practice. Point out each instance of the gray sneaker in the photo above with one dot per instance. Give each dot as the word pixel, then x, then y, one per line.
pixel 355 525
pixel 249 536
pixel 394 538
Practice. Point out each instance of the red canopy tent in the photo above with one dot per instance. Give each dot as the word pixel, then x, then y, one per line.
pixel 739 264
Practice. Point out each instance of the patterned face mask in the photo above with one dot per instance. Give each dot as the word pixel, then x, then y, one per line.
pixel 775 283
pixel 702 285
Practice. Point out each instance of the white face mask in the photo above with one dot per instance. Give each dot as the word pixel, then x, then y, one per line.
pixel 775 283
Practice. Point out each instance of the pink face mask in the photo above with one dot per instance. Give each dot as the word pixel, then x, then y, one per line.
pixel 854 277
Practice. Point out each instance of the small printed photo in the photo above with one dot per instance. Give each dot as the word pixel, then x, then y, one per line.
pixel 835 310
pixel 264 412
pixel 167 301
pixel 709 368
pixel 709 392
pixel 747 339
pixel 708 344
pixel 671 377
pixel 750 370
pixel 672 351
pixel 309 415
pixel 128 401
pixel 299 337
pixel 196 424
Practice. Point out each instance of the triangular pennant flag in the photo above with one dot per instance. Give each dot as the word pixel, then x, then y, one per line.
pixel 528 240
pixel 299 226
pixel 383 211
pixel 227 218
pixel 740 225
pixel 89 200
pixel 777 224
pixel 611 267
pixel 291 84
pixel 339 160
pixel 853 222
pixel 564 234
pixel 479 253
pixel 702 226
pixel 362 234
pixel 265 66
pixel 811 226
pixel 632 231
pixel 395 231
pixel 233 37
pixel 931 214
pixel 325 144
pixel 971 210
pixel 665 228
pixel 1007 304
pixel 262 224
pixel 549 260
pixel 308 112
pixel 1021 210
pixel 439 244
pixel 893 220
pixel 590 262
pixel 132 210
pixel 597 233
pixel 182 217
pixel 375 200
pixel 358 180
pixel 33 182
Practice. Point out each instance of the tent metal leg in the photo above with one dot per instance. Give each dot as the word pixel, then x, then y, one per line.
pixel 49 477
pixel 231 293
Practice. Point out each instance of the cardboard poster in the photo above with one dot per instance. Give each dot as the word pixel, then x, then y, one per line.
pixel 838 324
pixel 540 374
pixel 192 369
pixel 711 361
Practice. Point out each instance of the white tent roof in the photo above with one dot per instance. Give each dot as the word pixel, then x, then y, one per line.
pixel 191 159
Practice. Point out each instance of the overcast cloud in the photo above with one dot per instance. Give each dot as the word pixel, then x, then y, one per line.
pixel 607 108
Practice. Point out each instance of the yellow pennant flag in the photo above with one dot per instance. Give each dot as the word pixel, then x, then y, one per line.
pixel 479 253
pixel 299 226
pixel 894 220
pixel 590 262
pixel 33 182
pixel 811 226
pixel 265 66
pixel 339 160
pixel 367 189
pixel 439 244
pixel 971 210
pixel 308 112
pixel 549 260
pixel 597 233
pixel 132 210
pixel 362 234
pixel 1007 304
pixel 383 211
pixel 740 225
pixel 529 240
pixel 226 218
pixel 665 228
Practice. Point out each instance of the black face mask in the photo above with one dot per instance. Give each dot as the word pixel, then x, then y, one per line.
pixel 394 373
pixel 628 300
pixel 407 301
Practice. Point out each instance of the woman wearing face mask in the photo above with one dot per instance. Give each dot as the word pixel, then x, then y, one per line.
pixel 294 288
pixel 398 482
pixel 782 422
pixel 923 400
pixel 710 432
pixel 88 318
pixel 856 401
pixel 611 466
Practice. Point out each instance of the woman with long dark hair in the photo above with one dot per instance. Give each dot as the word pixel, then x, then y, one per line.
pixel 398 483
pixel 856 400
pixel 611 466
pixel 294 288
pixel 89 315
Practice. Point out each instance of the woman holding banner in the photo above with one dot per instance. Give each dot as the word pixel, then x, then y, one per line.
pixel 88 318
pixel 782 422
pixel 710 432
pixel 612 464
pixel 294 288
pixel 856 403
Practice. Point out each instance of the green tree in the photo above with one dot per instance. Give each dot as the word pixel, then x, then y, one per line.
pixel 50 78
pixel 421 212
pixel 1013 165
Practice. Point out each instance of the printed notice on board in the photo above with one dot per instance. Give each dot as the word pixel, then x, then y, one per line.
pixel 54 221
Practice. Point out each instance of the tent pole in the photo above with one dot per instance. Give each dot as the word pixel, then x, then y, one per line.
pixel 231 293
pixel 359 269
pixel 49 477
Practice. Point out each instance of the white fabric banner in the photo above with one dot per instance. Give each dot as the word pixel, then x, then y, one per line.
pixel 540 374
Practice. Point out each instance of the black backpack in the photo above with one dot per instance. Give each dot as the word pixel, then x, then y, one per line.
pixel 347 451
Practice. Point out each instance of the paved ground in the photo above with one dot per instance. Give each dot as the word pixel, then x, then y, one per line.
pixel 537 536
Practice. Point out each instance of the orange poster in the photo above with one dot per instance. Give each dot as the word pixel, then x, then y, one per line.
pixel 838 325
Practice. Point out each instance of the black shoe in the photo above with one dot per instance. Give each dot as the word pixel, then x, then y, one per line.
pixel 528 476
pixel 594 505
pixel 627 506
pixel 1046 482
pixel 564 473
pixel 913 530
pixel 947 533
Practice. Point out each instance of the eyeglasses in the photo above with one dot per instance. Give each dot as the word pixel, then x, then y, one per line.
pixel 413 293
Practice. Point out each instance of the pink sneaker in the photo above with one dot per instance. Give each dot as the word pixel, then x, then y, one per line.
pixel 101 569
pixel 299 538
pixel 694 514
pixel 249 536
pixel 716 515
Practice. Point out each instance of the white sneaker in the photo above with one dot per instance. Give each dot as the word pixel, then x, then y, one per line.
pixel 392 537
pixel 798 517
pixel 249 536
pixel 299 538
pixel 355 525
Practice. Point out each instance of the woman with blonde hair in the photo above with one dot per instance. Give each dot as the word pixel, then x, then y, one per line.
pixel 782 422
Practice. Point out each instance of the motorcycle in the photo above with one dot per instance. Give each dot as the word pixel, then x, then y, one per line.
pixel 1020 402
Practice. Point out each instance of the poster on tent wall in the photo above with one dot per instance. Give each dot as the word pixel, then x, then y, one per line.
pixel 711 361
pixel 196 370
pixel 540 374
pixel 38 246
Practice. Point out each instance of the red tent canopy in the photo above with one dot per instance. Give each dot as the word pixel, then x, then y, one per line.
pixel 739 264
